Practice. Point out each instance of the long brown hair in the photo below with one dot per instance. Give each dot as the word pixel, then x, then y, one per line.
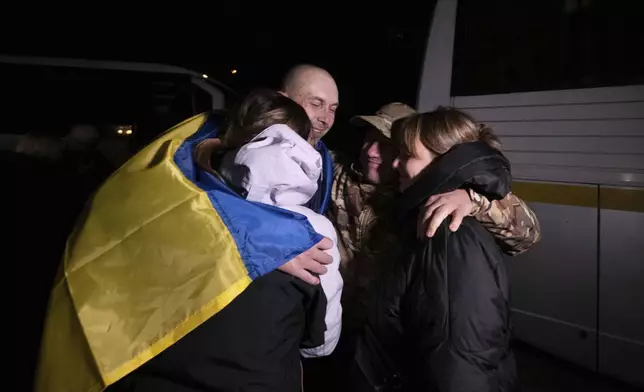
pixel 440 130
pixel 259 110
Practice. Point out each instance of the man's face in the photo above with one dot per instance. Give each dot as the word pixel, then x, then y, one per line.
pixel 376 157
pixel 319 98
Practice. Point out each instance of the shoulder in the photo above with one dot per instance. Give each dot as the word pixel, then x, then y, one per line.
pixel 473 233
pixel 470 233
pixel 469 253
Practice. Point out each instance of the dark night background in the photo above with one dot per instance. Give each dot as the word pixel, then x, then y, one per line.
pixel 374 51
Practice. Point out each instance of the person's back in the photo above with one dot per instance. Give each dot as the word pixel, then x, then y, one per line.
pixel 254 344
pixel 251 345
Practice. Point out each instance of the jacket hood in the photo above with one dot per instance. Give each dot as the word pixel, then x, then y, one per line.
pixel 277 167
pixel 472 165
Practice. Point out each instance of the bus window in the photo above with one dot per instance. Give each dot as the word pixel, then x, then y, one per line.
pixel 506 46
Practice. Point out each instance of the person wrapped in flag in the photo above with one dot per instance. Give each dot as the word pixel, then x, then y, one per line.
pixel 155 289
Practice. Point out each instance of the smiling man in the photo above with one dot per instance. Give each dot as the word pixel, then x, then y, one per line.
pixel 315 90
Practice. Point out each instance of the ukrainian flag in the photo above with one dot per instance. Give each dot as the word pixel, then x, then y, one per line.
pixel 161 248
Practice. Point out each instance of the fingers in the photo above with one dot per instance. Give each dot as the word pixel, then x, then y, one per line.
pixel 432 204
pixel 437 218
pixel 320 256
pixel 315 267
pixel 307 277
pixel 325 244
pixel 456 203
pixel 311 262
pixel 294 269
pixel 423 218
pixel 317 254
pixel 431 207
pixel 457 219
pixel 432 199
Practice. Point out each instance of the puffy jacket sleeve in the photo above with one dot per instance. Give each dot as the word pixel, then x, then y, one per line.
pixel 456 314
pixel 331 283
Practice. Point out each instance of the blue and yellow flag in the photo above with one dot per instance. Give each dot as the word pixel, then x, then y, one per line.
pixel 161 248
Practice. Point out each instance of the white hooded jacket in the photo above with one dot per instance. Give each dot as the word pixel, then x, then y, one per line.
pixel 280 168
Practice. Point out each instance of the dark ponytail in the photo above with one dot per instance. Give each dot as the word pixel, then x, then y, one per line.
pixel 259 110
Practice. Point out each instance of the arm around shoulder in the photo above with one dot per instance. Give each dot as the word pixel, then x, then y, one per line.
pixel 514 225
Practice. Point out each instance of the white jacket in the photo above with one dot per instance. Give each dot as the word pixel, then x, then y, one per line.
pixel 280 168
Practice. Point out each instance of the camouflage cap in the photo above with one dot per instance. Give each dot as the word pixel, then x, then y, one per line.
pixel 384 117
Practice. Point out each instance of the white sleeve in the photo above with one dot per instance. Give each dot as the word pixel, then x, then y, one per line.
pixel 331 283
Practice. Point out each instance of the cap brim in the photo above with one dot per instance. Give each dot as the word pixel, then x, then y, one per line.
pixel 377 122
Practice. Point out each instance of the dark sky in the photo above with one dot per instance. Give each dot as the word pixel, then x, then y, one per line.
pixel 374 48
pixel 374 53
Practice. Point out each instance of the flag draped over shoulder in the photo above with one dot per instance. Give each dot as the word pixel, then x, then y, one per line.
pixel 162 247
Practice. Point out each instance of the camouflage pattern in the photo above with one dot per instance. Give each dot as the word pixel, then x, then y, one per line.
pixel 355 203
pixel 510 220
pixel 385 117
pixel 354 208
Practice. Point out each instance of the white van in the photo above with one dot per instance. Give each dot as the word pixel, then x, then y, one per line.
pixel 130 103
pixel 564 88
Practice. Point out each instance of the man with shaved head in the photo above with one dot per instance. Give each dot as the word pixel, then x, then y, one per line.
pixel 315 90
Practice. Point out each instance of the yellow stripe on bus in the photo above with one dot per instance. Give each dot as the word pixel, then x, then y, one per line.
pixel 594 196
pixel 623 199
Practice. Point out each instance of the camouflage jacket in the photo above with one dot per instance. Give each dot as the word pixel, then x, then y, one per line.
pixel 357 206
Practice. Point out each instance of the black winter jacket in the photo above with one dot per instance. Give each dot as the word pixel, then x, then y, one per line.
pixel 440 320
pixel 250 345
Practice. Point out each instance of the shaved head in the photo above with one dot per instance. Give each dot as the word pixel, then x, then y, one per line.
pixel 299 76
pixel 315 90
